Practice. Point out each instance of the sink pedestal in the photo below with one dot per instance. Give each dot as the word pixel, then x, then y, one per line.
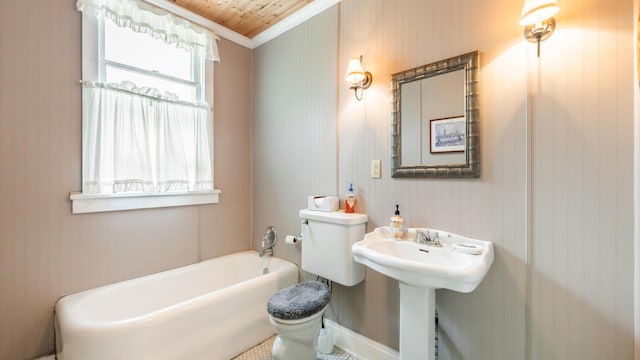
pixel 417 322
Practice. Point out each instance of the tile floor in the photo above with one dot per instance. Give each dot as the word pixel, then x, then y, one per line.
pixel 262 351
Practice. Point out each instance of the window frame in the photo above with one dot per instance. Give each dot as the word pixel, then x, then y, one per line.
pixel 92 63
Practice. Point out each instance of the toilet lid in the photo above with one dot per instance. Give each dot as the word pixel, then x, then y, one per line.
pixel 299 301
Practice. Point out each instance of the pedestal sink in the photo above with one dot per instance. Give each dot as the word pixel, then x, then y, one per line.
pixel 459 264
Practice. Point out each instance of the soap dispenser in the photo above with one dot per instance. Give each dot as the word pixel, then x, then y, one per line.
pixel 350 201
pixel 397 222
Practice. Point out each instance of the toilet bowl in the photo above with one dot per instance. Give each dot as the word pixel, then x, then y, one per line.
pixel 296 338
pixel 296 315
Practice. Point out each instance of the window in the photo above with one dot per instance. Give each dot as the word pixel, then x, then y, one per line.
pixel 147 127
pixel 137 57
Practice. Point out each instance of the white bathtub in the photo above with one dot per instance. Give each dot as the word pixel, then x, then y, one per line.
pixel 215 309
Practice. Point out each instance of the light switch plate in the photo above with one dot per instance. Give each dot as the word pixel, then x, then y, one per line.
pixel 375 169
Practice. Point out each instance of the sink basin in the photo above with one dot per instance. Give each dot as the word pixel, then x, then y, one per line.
pixel 423 265
pixel 460 265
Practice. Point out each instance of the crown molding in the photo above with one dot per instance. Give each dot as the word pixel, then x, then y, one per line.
pixel 202 21
pixel 295 19
pixel 312 9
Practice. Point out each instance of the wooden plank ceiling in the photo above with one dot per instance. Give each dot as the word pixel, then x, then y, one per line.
pixel 246 17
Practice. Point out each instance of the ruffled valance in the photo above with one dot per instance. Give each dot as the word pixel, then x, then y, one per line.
pixel 145 18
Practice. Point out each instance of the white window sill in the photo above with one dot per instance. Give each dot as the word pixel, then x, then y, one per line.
pixel 85 203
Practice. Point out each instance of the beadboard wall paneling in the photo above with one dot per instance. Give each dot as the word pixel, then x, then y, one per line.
pixel 396 36
pixel 227 228
pixel 294 126
pixel 581 185
pixel 45 251
pixel 582 223
pixel 310 136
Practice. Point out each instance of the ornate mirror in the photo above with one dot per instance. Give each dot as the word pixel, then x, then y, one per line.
pixel 434 120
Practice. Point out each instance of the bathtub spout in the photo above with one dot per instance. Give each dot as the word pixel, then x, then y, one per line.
pixel 267 251
pixel 269 240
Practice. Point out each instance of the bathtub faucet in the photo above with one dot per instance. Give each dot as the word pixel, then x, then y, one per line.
pixel 269 240
pixel 267 251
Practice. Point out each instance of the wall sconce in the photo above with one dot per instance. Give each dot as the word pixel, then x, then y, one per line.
pixel 537 17
pixel 359 78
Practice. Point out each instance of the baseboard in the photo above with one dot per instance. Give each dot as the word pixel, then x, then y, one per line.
pixel 355 344
pixel 359 346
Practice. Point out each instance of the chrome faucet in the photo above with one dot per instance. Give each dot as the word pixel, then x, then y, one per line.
pixel 421 237
pixel 267 251
pixel 269 240
pixel 425 238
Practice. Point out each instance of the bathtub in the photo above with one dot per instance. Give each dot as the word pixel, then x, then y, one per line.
pixel 211 310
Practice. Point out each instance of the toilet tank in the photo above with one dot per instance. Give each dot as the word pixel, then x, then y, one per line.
pixel 327 238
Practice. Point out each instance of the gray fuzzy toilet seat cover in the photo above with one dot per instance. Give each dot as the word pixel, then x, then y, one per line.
pixel 299 301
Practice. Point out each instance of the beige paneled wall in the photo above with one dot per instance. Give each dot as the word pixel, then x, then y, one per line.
pixel 583 108
pixel 488 323
pixel 581 120
pixel 226 228
pixel 45 251
pixel 310 136
pixel 294 126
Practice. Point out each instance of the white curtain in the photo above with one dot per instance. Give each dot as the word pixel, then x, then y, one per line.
pixel 136 140
pixel 145 18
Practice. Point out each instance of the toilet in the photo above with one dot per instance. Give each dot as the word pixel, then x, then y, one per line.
pixel 296 312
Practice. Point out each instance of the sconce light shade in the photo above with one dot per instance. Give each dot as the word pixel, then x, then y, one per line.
pixel 537 18
pixel 355 72
pixel 536 11
pixel 359 79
